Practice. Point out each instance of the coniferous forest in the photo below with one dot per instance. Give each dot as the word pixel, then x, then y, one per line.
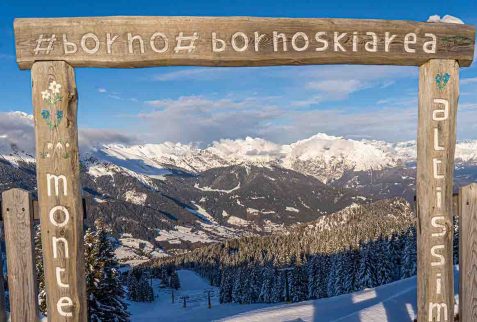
pixel 360 247
pixel 103 283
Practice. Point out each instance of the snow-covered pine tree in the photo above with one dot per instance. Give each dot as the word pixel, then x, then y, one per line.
pixel 278 290
pixel 174 280
pixel 255 285
pixel 237 285
pixel 226 285
pixel 350 266
pixel 132 286
pixel 267 284
pixel 139 288
pixel 313 277
pixel 164 277
pixel 103 285
pixel 324 266
pixel 383 262
pixel 145 290
pixel 40 273
pixel 455 247
pixel 409 261
pixel 334 278
pixel 241 291
pixel 366 278
pixel 396 247
pixel 298 284
pixel 330 283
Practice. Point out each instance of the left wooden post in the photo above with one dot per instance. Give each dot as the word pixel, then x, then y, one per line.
pixel 18 221
pixel 59 193
pixel 3 310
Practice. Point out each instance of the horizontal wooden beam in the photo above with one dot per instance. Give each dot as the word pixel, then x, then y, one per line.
pixel 238 41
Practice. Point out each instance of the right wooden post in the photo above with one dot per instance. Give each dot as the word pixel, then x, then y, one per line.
pixel 468 253
pixel 438 98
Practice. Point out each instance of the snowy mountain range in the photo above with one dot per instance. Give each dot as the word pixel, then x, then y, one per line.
pixel 170 197
pixel 325 157
pixel 322 156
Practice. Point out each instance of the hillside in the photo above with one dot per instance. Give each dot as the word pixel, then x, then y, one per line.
pixel 333 255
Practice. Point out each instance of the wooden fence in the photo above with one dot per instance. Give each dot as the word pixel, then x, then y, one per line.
pixel 18 213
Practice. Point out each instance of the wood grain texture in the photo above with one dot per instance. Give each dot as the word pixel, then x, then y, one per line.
pixel 436 144
pixel 247 41
pixel 55 114
pixel 18 223
pixel 36 210
pixel 3 310
pixel 468 254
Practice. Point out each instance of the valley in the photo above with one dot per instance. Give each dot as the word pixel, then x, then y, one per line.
pixel 165 199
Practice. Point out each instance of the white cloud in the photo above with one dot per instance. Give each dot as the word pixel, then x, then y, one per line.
pixel 335 83
pixel 200 119
pixel 16 130
pixel 314 100
pixel 390 124
pixel 89 138
pixel 6 56
pixel 394 121
pixel 346 72
pixel 470 80
pixel 292 73
pixel 195 73
pixel 116 95
pixel 203 120
pixel 337 88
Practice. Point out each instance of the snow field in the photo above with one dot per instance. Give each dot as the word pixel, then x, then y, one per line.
pixel 394 302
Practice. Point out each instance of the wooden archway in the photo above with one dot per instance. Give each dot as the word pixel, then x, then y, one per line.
pixel 51 48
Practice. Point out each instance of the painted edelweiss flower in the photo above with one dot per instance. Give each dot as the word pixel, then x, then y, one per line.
pixel 45 95
pixel 55 87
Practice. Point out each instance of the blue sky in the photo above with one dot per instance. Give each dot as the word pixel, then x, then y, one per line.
pixel 282 104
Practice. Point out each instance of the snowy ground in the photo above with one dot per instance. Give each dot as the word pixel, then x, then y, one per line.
pixel 395 302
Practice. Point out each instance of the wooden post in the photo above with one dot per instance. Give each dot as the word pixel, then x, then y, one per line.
pixel 18 222
pixel 3 311
pixel 59 194
pixel 438 97
pixel 468 254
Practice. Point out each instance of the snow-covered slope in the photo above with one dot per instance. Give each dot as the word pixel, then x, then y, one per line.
pixel 394 302
pixel 328 157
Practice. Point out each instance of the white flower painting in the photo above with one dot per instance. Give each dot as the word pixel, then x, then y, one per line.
pixel 51 97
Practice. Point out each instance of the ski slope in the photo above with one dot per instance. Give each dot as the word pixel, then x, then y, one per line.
pixel 395 302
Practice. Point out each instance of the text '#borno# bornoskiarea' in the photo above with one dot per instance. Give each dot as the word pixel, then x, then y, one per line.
pixel 111 43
